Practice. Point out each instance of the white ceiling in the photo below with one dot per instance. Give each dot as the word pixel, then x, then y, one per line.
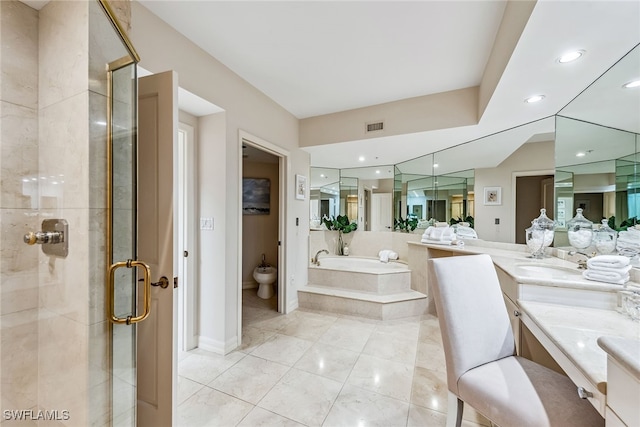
pixel 318 57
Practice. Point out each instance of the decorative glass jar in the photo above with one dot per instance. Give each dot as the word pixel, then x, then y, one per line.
pixel 605 239
pixel 540 235
pixel 580 231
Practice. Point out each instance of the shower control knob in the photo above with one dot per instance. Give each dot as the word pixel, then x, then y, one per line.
pixel 43 237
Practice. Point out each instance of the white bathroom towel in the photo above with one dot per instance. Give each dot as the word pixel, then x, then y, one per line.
pixel 610 262
pixel 629 240
pixel 614 277
pixel 387 254
pixel 439 234
pixel 466 232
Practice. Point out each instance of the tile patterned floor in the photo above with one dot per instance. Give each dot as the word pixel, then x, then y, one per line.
pixel 312 368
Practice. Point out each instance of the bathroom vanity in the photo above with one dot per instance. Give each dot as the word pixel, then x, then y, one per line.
pixel 558 318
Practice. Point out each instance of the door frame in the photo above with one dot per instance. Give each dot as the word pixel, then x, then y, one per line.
pixel 283 173
pixel 514 177
pixel 187 220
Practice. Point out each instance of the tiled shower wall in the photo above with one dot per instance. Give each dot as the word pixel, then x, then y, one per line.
pixel 19 289
pixel 53 328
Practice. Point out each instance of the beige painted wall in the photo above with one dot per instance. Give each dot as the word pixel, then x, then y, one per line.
pixel 531 157
pixel 260 232
pixel 162 48
pixel 438 111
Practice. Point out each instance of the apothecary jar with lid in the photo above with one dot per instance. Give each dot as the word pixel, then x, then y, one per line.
pixel 580 231
pixel 604 239
pixel 540 235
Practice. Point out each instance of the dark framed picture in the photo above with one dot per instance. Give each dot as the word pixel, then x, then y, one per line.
pixel 256 194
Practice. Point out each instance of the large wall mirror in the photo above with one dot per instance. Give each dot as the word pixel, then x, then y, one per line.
pixel 362 194
pixel 588 154
pixel 597 138
pixel 324 195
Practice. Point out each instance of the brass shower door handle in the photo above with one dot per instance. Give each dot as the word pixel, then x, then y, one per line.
pixel 146 292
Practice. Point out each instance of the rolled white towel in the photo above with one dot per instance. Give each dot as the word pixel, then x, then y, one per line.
pixel 614 277
pixel 386 254
pixel 608 261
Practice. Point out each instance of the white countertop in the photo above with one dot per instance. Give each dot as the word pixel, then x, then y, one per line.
pixel 575 331
pixel 512 257
pixel 625 350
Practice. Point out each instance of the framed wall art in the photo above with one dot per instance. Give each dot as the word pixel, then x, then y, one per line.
pixel 492 196
pixel 301 187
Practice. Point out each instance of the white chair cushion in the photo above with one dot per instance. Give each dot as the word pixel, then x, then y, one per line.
pixel 514 391
pixel 473 318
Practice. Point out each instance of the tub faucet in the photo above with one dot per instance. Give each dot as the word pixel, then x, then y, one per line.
pixel 582 263
pixel 315 260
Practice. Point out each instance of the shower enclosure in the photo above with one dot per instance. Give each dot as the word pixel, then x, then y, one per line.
pixel 67 159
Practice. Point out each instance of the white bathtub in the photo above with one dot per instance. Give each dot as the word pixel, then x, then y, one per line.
pixel 361 274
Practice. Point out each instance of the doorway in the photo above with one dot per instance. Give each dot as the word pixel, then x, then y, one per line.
pixel 262 231
pixel 533 192
pixel 186 193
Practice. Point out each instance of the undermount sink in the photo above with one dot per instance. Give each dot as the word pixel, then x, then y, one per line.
pixel 548 271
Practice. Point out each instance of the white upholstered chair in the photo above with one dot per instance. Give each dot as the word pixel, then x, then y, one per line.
pixel 482 368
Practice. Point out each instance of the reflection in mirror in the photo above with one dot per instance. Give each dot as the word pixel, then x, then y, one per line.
pixel 627 191
pixel 454 186
pixel 370 204
pixel 349 197
pixel 413 189
pixel 324 190
pixel 597 148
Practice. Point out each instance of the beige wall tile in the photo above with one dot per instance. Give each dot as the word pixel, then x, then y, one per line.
pixel 19 33
pixel 64 51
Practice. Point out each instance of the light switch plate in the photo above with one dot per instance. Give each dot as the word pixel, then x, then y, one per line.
pixel 206 223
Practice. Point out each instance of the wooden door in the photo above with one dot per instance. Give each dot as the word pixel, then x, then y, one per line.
pixel 156 340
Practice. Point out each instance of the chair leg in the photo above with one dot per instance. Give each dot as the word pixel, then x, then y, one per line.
pixel 454 411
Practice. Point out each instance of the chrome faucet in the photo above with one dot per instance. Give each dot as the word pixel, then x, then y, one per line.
pixel 315 260
pixel 582 263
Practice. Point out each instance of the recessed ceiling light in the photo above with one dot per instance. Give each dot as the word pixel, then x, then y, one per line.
pixel 361 159
pixel 581 154
pixel 632 84
pixel 322 175
pixel 570 56
pixel 435 165
pixel 534 98
pixel 378 172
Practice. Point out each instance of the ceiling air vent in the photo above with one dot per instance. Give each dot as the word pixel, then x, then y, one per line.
pixel 375 127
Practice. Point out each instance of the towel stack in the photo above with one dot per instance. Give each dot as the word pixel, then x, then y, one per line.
pixel 608 268
pixel 440 234
pixel 628 241
pixel 464 231
pixel 387 254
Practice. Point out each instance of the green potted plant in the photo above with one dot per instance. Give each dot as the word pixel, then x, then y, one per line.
pixel 341 224
pixel 407 225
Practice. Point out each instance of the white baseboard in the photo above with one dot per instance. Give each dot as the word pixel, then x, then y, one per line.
pixel 292 306
pixel 216 346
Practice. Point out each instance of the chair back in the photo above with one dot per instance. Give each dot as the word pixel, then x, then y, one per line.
pixel 472 314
